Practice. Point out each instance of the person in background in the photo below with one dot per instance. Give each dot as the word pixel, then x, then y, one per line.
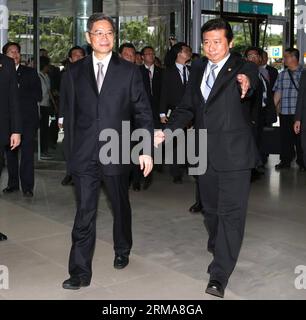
pixel 10 119
pixel 29 92
pixel 127 52
pixel 138 58
pixel 273 73
pixel 75 54
pixel 174 83
pixel 286 91
pixel 46 110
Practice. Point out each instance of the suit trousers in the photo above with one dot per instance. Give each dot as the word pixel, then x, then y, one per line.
pixel 87 187
pixel 289 140
pixel 224 197
pixel 1 158
pixel 26 168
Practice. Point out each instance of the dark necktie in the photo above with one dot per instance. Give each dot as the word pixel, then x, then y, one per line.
pixel 100 76
pixel 184 76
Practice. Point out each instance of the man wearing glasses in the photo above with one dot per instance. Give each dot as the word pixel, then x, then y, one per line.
pixel 103 90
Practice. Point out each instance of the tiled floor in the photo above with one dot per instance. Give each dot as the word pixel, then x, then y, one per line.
pixel 168 259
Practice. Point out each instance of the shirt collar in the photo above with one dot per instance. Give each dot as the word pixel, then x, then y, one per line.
pixel 151 68
pixel 104 61
pixel 221 63
pixel 180 66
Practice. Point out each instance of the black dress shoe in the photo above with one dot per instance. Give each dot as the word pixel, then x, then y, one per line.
pixel 121 262
pixel 196 207
pixel 178 180
pixel 147 183
pixel 282 165
pixel 215 288
pixel 3 237
pixel 75 283
pixel 67 180
pixel 10 189
pixel 136 186
pixel 28 194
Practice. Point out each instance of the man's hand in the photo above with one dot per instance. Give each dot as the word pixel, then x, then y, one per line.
pixel 245 84
pixel 159 137
pixel 15 140
pixel 163 120
pixel 146 164
pixel 297 127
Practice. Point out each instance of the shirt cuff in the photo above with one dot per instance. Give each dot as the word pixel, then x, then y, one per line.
pixel 60 120
pixel 162 115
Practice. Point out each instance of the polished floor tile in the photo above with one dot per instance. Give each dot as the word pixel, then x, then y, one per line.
pixel 169 257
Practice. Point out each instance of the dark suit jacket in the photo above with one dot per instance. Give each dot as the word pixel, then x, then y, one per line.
pixel 300 112
pixel 122 98
pixel 9 106
pixel 273 74
pixel 172 89
pixel 156 90
pixel 263 116
pixel 30 94
pixel 230 141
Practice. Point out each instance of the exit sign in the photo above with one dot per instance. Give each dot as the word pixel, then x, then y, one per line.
pixel 256 7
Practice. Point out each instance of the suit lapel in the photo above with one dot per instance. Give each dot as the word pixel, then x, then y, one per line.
pixel 90 73
pixel 226 73
pixel 112 76
pixel 200 78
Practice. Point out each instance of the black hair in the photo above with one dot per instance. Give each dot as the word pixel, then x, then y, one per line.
pixel 7 45
pixel 218 24
pixel 99 16
pixel 76 48
pixel 252 48
pixel 177 48
pixel 126 45
pixel 145 48
pixel 295 52
pixel 43 62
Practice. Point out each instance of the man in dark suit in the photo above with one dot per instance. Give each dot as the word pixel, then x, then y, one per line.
pixel 263 111
pixel 273 73
pixel 74 54
pixel 10 126
pixel 103 90
pixel 300 114
pixel 152 76
pixel 216 99
pixel 29 90
pixel 175 78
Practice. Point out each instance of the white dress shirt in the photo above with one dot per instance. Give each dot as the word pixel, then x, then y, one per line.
pixel 180 68
pixel 104 61
pixel 95 61
pixel 220 65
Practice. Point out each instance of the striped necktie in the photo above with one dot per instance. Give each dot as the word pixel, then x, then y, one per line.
pixel 210 81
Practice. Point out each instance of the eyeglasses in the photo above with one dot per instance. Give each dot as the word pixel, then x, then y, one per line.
pixel 252 55
pixel 100 34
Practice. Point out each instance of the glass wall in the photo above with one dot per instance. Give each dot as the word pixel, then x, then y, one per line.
pixel 21 28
